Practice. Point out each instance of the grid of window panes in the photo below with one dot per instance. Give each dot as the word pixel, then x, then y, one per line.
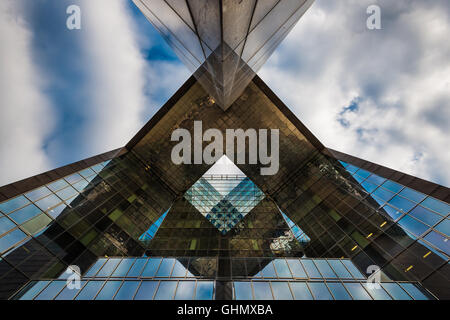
pixel 170 278
pixel 120 290
pixel 422 217
pixel 279 268
pixel 29 214
pixel 327 290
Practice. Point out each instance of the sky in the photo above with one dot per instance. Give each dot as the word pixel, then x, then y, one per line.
pixel 381 95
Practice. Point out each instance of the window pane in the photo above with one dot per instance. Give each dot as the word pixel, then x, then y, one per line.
pixel 57 185
pixel 166 290
pixel 392 186
pixel 439 241
pixel 51 290
pixel 94 269
pixel 5 225
pixel 281 291
pixel 178 270
pixel 67 193
pixel 351 168
pixel 151 267
pixel 363 173
pixel 243 291
pixel 414 291
pixel 109 290
pixel 444 227
pixel 282 268
pixel 48 202
pixel 73 178
pixel 69 294
pixel 301 291
pixel 146 290
pixel 80 185
pixel 165 268
pixel 339 268
pixel 353 269
pixel 320 291
pixel 377 292
pixel 412 225
pixel 123 267
pixel 38 193
pixel 368 186
pixel 22 215
pixel 34 290
pixel 396 291
pixel 311 269
pixel 10 239
pixel 297 268
pixel 13 204
pixel 90 290
pixel 324 268
pixel 402 203
pixel 357 291
pixel 86 172
pixel 185 290
pixel 436 205
pixel 376 179
pixel 425 215
pixel 108 267
pixel 383 194
pixel 392 212
pixel 204 290
pixel 127 290
pixel 137 267
pixel 262 291
pixel 412 195
pixel 269 271
pixel 338 291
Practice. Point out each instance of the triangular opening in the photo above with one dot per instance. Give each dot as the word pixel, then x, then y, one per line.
pixel 301 236
pixel 224 195
pixel 148 235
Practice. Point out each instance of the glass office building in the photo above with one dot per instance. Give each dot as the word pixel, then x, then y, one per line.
pixel 138 226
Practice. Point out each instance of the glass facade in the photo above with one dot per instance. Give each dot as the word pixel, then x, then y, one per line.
pixel 223 43
pixel 141 227
pixel 169 278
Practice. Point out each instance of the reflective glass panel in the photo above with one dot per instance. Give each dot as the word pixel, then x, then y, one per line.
pixel 320 291
pixel 281 291
pixel 185 290
pixel 396 291
pixel 90 290
pixel 338 291
pixel 357 291
pixel 301 291
pixel 166 290
pixel 51 290
pixel 127 290
pixel 262 291
pixel 146 290
pixel 243 291
pixel 205 290
pixel 109 290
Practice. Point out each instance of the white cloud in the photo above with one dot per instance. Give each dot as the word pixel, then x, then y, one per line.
pixel 123 82
pixel 401 75
pixel 116 75
pixel 25 113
